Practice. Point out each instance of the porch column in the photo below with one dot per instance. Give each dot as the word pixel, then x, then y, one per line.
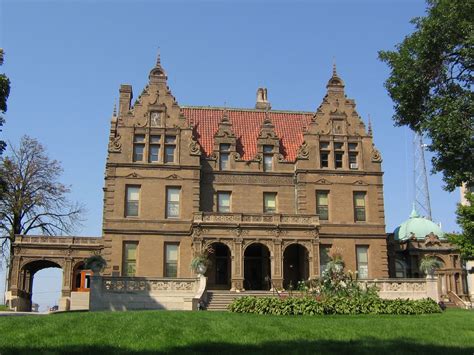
pixel 277 265
pixel 314 259
pixel 237 279
pixel 65 300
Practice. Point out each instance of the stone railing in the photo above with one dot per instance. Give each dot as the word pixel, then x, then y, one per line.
pixel 405 288
pixel 123 293
pixel 277 218
pixel 43 239
pixel 146 284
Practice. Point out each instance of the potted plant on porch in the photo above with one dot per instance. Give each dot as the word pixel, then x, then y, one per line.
pixel 201 261
pixel 429 264
pixel 96 263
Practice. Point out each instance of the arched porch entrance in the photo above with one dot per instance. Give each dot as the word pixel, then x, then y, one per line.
pixel 257 267
pixel 219 272
pixel 295 265
pixel 28 285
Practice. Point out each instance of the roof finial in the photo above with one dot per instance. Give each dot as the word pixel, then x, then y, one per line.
pixel 225 116
pixel 370 127
pixel 334 71
pixel 414 212
pixel 158 58
pixel 114 114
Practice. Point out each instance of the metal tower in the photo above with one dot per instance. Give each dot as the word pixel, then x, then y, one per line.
pixel 420 178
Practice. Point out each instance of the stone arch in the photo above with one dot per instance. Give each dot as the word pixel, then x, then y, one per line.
pixel 257 265
pixel 28 270
pixel 220 269
pixel 401 268
pixel 296 266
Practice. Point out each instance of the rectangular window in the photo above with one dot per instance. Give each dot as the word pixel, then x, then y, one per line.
pixel 223 201
pixel 154 153
pixel 172 202
pixel 171 260
pixel 338 157
pixel 359 206
pixel 138 147
pixel 170 148
pixel 362 262
pixel 324 159
pixel 269 202
pixel 129 267
pixel 132 201
pixel 324 258
pixel 224 156
pixel 353 161
pixel 324 154
pixel 338 145
pixel 322 204
pixel 267 158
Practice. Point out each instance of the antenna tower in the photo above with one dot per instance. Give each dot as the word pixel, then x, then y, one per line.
pixel 420 178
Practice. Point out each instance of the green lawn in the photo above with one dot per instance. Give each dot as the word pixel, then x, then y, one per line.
pixel 150 332
pixel 3 308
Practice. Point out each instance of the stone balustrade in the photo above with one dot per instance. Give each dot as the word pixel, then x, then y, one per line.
pixel 244 218
pixel 405 288
pixel 44 239
pixel 124 293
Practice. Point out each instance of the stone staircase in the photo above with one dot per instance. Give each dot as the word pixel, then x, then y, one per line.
pixel 218 300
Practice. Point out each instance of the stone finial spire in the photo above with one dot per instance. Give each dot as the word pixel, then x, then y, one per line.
pixel 225 115
pixel 369 130
pixel 157 74
pixel 114 113
pixel 335 83
pixel 334 71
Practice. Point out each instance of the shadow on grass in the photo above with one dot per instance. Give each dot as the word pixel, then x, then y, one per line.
pixel 364 346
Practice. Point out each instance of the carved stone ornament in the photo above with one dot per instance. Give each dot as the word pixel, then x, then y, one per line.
pixel 376 156
pixel 432 240
pixel 303 151
pixel 114 145
pixel 323 182
pixel 134 175
pixel 194 148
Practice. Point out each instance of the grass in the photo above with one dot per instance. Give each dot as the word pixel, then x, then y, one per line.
pixel 3 308
pixel 151 332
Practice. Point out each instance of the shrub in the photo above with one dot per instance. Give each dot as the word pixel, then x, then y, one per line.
pixel 367 304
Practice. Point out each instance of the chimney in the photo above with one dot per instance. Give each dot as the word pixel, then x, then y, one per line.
pixel 262 101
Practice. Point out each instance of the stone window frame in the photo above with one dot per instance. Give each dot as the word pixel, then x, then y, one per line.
pixel 232 141
pixel 265 211
pixel 126 200
pixel 230 200
pixel 367 248
pixel 327 191
pixel 266 142
pixel 125 261
pixel 168 188
pixel 165 262
pixel 354 193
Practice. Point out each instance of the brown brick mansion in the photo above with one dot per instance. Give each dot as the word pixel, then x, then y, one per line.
pixel 271 191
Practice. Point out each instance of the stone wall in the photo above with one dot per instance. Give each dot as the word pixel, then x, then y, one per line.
pixel 413 289
pixel 127 293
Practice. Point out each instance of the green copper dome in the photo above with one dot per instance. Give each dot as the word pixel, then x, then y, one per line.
pixel 417 226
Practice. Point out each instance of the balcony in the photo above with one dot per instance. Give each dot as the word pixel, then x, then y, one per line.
pixel 255 218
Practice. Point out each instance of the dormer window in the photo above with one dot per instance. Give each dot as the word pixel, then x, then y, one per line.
pixel 338 154
pixel 353 163
pixel 224 153
pixel 154 149
pixel 324 154
pixel 267 158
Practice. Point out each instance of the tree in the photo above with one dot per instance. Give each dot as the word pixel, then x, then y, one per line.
pixel 34 201
pixel 4 92
pixel 465 218
pixel 429 264
pixel 430 83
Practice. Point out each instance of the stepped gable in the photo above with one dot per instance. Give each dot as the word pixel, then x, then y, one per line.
pixel 246 125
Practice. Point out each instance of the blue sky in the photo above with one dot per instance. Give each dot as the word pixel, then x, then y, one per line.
pixel 66 61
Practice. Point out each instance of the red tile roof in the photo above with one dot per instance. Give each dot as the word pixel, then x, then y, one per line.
pixel 246 125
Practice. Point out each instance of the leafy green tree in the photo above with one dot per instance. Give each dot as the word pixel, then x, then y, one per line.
pixel 465 218
pixel 4 92
pixel 430 83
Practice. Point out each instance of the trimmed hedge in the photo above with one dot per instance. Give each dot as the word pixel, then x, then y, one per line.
pixel 331 305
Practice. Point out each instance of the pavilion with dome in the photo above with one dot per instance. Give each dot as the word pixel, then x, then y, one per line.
pixel 419 237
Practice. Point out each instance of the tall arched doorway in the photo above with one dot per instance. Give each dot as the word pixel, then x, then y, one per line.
pixel 295 265
pixel 41 284
pixel 219 272
pixel 257 272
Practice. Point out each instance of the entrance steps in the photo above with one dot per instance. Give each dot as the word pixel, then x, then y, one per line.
pixel 218 300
